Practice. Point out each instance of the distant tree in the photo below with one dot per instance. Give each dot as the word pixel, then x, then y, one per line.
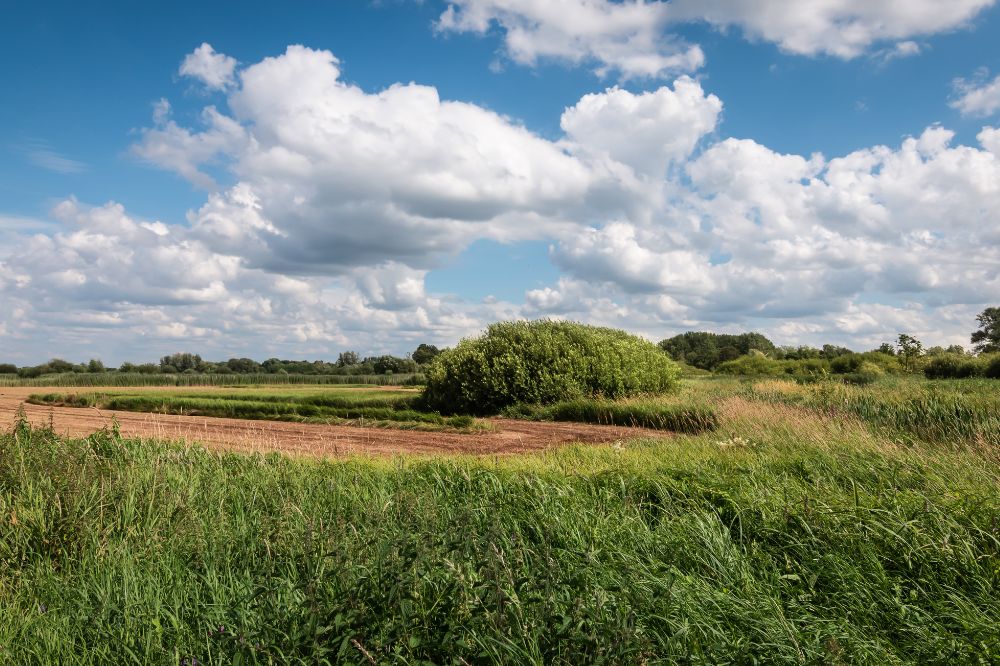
pixel 987 339
pixel 705 350
pixel 181 362
pixel 390 364
pixel 243 366
pixel 95 365
pixel 424 353
pixel 347 359
pixel 956 349
pixel 8 369
pixel 59 365
pixel 830 352
pixel 273 366
pixel 910 349
pixel 887 348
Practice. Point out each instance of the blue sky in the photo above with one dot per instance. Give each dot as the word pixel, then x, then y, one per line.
pixel 838 260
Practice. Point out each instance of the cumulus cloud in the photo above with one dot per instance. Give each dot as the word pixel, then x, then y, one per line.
pixel 841 28
pixel 634 38
pixel 645 131
pixel 624 37
pixel 215 70
pixel 979 97
pixel 334 203
pixel 329 176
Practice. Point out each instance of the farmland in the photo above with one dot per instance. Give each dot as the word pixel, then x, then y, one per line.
pixel 815 523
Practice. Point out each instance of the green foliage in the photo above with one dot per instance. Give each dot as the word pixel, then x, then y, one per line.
pixel 424 354
pixel 965 412
pixel 954 366
pixel 910 351
pixel 8 369
pixel 757 365
pixel 542 362
pixel 759 547
pixel 987 339
pixel 156 378
pixel 686 418
pixel 852 363
pixel 707 350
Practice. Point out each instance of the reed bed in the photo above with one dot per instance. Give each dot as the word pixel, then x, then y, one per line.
pixel 740 546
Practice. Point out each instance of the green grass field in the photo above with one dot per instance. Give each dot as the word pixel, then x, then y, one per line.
pixel 814 525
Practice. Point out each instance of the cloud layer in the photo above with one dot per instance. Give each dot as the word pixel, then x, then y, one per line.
pixel 637 39
pixel 330 204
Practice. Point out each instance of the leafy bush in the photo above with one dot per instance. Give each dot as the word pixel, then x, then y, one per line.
pixel 993 368
pixel 757 365
pixel 542 362
pixel 953 366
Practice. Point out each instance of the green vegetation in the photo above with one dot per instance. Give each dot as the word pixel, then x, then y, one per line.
pixel 543 362
pixel 958 413
pixel 794 534
pixel 124 379
pixel 707 350
pixel 395 409
pixel 676 417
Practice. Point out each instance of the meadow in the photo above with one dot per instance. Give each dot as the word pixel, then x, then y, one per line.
pixel 817 523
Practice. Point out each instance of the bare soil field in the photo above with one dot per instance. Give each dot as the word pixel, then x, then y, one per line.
pixel 511 436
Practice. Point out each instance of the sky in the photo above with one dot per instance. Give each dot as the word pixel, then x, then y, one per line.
pixel 304 178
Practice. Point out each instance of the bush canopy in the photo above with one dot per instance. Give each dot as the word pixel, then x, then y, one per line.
pixel 542 362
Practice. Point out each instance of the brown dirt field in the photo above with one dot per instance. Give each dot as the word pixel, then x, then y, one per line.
pixel 511 436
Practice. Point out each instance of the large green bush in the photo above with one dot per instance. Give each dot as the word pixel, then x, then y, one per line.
pixel 542 362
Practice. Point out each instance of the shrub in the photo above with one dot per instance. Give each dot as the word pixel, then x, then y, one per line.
pixel 750 366
pixel 993 368
pixel 953 366
pixel 542 362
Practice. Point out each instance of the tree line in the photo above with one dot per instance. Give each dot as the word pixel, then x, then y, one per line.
pixel 347 363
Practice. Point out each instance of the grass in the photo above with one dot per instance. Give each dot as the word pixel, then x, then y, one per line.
pixel 788 536
pixel 376 408
pixel 126 379
pixel 655 414
pixel 953 412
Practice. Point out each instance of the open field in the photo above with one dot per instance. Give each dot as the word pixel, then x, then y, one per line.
pixel 508 436
pixel 793 534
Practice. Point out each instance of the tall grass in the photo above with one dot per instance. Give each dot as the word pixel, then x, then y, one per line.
pixel 687 418
pixel 675 551
pixel 956 412
pixel 123 379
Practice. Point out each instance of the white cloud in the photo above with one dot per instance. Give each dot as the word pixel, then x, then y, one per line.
pixel 979 97
pixel 334 204
pixel 645 131
pixel 624 37
pixel 634 38
pixel 216 71
pixel 842 28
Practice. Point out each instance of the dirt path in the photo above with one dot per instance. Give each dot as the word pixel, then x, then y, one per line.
pixel 310 439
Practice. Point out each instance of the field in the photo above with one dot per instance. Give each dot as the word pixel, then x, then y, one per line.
pixel 817 523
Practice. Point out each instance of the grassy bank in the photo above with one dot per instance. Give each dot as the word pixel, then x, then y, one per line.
pixel 654 414
pixel 786 537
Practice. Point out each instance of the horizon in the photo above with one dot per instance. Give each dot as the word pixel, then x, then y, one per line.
pixel 273 182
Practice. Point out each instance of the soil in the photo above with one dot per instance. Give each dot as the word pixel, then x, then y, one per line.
pixel 510 436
